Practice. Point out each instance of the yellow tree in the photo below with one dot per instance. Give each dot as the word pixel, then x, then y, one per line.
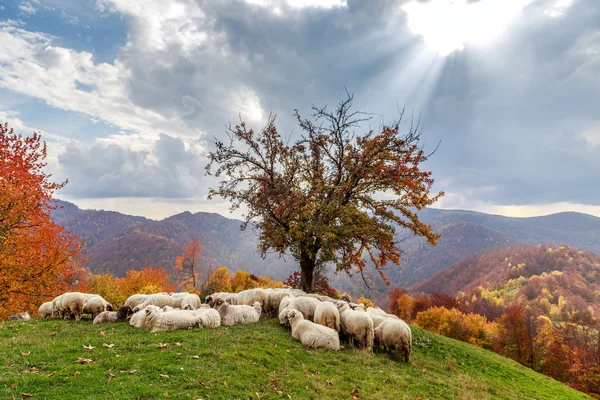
pixel 220 281
pixel 242 281
pixel 331 196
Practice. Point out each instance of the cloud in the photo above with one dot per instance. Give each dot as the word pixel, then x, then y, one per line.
pixel 27 8
pixel 170 168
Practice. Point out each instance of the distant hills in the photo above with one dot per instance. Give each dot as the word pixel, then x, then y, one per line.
pixel 117 242
pixel 557 280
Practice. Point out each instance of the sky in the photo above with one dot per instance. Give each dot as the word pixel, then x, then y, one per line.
pixel 131 94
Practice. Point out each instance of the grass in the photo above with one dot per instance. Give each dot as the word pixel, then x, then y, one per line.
pixel 247 362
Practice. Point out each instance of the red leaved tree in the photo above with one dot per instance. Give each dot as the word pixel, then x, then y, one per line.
pixel 37 256
pixel 187 264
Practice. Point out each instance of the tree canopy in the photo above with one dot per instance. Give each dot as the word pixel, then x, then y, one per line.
pixel 330 196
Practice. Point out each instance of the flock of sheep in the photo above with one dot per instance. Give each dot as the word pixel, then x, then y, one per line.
pixel 316 321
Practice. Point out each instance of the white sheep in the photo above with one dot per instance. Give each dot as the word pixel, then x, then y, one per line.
pixel 210 299
pixel 56 309
pixel 45 310
pixel 72 303
pixel 135 300
pixel 250 296
pixel 375 311
pixel 113 316
pixel 159 300
pixel 208 318
pixel 191 302
pixel 95 305
pixel 178 294
pixel 238 315
pixel 311 334
pixel 306 305
pixel 138 319
pixel 157 321
pixel 395 335
pixel 357 306
pixel 357 325
pixel 327 314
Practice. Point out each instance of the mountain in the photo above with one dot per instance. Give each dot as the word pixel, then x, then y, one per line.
pixel 557 280
pixel 117 242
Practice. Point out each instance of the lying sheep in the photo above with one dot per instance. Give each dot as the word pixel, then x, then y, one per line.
pixel 274 297
pixel 395 335
pixel 356 325
pixel 327 314
pixel 24 316
pixel 178 294
pixel 238 315
pixel 192 300
pixel 159 300
pixel 306 305
pixel 72 304
pixel 157 321
pixel 138 319
pixel 45 310
pixel 191 307
pixel 311 334
pixel 210 299
pixel 95 305
pixel 135 300
pixel 113 316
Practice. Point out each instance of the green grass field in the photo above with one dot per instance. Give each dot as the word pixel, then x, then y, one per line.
pixel 251 362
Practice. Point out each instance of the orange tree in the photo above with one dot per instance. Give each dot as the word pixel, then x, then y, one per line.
pixel 187 264
pixel 36 255
pixel 321 197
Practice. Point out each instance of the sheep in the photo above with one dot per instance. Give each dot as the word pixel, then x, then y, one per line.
pixel 168 308
pixel 113 316
pixel 56 310
pixel 306 305
pixel 95 305
pixel 357 306
pixel 395 335
pixel 356 325
pixel 311 334
pixel 327 314
pixel 208 318
pixel 192 300
pixel 250 296
pixel 138 319
pixel 210 299
pixel 45 310
pixel 72 303
pixel 238 315
pixel 375 311
pixel 157 321
pixel 135 300
pixel 317 296
pixel 24 316
pixel 160 300
pixel 378 316
pixel 178 294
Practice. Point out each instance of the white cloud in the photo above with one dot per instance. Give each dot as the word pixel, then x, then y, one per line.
pixel 27 8
pixel 558 8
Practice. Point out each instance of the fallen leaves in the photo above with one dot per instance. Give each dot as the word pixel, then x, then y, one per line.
pixel 26 395
pixel 102 333
pixel 259 396
pixel 354 394
pixel 329 383
pixel 274 387
pixel 162 345
pixel 128 372
pixel 89 347
pixel 195 357
pixel 32 370
pixel 109 346
pixel 52 334
pixel 164 376
pixel 81 360
pixel 25 353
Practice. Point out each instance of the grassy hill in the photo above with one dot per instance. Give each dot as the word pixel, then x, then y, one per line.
pixel 252 362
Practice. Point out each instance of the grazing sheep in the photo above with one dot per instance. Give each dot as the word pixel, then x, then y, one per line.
pixel 306 305
pixel 238 315
pixel 95 305
pixel 56 310
pixel 317 296
pixel 395 335
pixel 157 321
pixel 327 314
pixel 45 310
pixel 72 303
pixel 250 296
pixel 192 300
pixel 24 316
pixel 135 300
pixel 159 300
pixel 311 334
pixel 357 325
pixel 357 306
pixel 375 311
pixel 113 316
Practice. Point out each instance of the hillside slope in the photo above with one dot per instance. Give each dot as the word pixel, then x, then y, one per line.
pixel 258 361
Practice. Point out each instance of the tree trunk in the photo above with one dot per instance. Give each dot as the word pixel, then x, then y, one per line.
pixel 307 267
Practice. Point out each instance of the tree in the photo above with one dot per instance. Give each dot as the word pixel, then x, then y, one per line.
pixel 186 264
pixel 332 195
pixel 242 281
pixel 37 257
pixel 220 281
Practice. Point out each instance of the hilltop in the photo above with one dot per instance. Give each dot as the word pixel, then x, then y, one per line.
pixel 257 361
